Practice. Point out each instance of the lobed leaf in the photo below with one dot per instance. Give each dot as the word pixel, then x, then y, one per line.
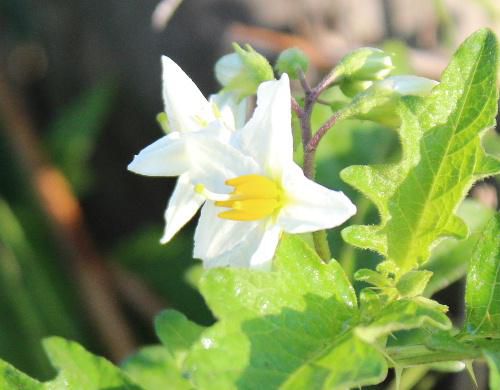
pixel 442 157
pixel 271 323
pixel 450 259
pixel 404 314
pixel 78 369
pixel 13 379
pixel 154 368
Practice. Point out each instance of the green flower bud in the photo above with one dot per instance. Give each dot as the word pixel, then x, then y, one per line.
pixel 366 63
pixel 357 71
pixel 243 71
pixel 290 61
pixel 378 102
pixel 351 88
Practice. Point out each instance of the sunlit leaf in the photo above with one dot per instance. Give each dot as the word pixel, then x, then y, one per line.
pixel 442 157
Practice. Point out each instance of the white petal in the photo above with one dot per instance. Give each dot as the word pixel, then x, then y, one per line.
pixel 165 157
pixel 213 162
pixel 256 251
pixel 182 206
pixel 233 113
pixel 215 235
pixel 186 107
pixel 311 207
pixel 268 134
pixel 220 243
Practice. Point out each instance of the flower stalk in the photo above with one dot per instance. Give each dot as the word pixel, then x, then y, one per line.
pixel 310 143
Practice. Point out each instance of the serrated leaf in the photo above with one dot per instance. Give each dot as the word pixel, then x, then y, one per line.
pixel 450 259
pixel 78 369
pixel 403 314
pixel 13 379
pixel 482 297
pixel 177 333
pixel 270 323
pixel 356 364
pixel 442 157
pixel 154 368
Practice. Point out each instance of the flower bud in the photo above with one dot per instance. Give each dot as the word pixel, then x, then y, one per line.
pixel 292 60
pixel 358 69
pixel 378 102
pixel 366 63
pixel 241 72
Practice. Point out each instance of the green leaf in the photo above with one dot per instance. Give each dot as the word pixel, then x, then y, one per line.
pixel 73 135
pixel 482 295
pixel 12 379
pixel 442 157
pixel 404 314
pixel 271 323
pixel 450 259
pixel 493 359
pixel 413 283
pixel 30 305
pixel 154 368
pixel 356 364
pixel 80 370
pixel 177 333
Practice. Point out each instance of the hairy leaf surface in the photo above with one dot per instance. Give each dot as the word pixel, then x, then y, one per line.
pixel 442 158
pixel 482 296
pixel 273 324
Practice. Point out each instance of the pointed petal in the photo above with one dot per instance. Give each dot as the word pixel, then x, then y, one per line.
pixel 214 162
pixel 235 244
pixel 182 206
pixel 186 107
pixel 215 236
pixel 233 113
pixel 312 207
pixel 268 134
pixel 165 157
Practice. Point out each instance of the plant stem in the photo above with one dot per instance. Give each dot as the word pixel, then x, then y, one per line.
pixel 310 144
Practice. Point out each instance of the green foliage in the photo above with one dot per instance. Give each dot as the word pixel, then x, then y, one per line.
pixel 30 305
pixel 442 157
pixel 73 135
pixel 404 314
pixel 177 333
pixel 482 296
pixel 13 379
pixel 270 324
pixel 493 359
pixel 79 369
pixel 154 368
pixel 163 269
pixel 450 259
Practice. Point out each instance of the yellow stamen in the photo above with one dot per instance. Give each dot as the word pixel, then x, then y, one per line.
pixel 254 197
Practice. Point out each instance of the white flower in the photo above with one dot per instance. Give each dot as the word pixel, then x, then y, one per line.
pixel 190 116
pixel 256 190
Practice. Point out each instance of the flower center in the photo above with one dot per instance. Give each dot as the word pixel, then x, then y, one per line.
pixel 254 197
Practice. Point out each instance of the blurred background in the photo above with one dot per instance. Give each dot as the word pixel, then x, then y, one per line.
pixel 80 87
